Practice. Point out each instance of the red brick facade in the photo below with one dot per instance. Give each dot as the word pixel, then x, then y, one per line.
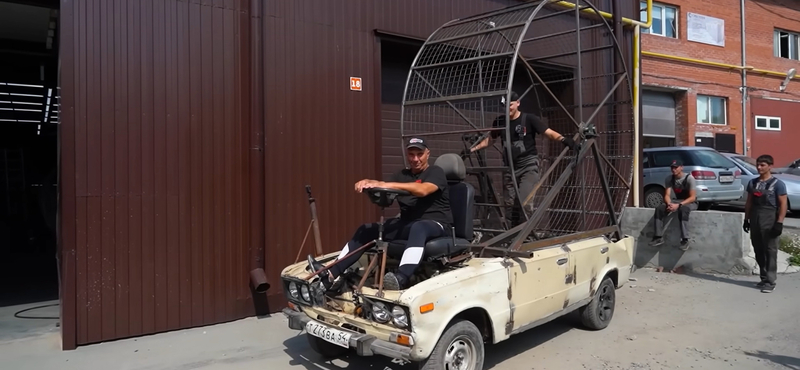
pixel 690 79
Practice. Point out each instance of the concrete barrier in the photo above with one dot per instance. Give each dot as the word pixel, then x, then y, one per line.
pixel 719 245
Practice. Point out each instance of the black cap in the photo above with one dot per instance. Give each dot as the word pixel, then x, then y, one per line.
pixel 417 142
pixel 676 163
pixel 514 97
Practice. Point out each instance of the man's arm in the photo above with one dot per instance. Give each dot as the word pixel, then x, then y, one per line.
pixel 747 203
pixel 668 190
pixel 489 139
pixel 433 180
pixel 690 183
pixel 780 190
pixel 538 125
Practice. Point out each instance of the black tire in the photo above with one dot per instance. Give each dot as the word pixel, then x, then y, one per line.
pixel 460 336
pixel 598 313
pixel 705 206
pixel 325 349
pixel 653 197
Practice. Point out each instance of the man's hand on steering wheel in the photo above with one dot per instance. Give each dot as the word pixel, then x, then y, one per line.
pixel 366 184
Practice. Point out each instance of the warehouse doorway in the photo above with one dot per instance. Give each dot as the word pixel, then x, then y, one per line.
pixel 29 106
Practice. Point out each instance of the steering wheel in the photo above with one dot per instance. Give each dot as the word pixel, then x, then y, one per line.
pixel 384 197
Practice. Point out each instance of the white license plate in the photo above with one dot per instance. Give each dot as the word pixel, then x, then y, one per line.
pixel 726 179
pixel 335 336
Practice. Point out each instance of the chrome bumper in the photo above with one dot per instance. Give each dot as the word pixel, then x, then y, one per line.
pixel 364 344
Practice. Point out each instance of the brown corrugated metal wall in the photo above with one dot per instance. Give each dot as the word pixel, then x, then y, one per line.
pixel 162 200
pixel 154 166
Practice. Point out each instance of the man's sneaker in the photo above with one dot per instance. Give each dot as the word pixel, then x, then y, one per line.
pixel 768 288
pixel 657 241
pixel 684 246
pixel 392 281
pixel 761 284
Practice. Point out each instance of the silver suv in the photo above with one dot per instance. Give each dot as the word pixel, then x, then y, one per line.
pixel 717 177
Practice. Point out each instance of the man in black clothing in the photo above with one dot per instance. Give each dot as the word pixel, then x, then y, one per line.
pixel 424 215
pixel 683 186
pixel 526 162
pixel 765 208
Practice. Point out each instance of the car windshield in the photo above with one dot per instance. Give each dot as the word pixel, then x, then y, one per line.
pixel 748 163
pixel 712 159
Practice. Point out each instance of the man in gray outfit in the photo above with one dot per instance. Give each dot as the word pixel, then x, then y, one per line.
pixel 682 185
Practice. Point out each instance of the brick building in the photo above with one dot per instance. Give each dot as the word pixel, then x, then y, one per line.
pixel 692 76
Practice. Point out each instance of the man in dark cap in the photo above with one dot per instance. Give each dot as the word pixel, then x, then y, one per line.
pixel 525 158
pixel 765 208
pixel 682 185
pixel 424 215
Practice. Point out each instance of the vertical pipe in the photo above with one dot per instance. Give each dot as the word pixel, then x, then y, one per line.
pixel 744 81
pixel 258 276
pixel 637 163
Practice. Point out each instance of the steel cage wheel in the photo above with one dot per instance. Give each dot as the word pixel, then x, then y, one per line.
pixel 466 69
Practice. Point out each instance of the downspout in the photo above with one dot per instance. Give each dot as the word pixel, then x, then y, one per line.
pixel 744 81
pixel 637 163
pixel 258 276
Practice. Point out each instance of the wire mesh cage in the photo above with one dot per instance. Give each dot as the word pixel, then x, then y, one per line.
pixel 565 63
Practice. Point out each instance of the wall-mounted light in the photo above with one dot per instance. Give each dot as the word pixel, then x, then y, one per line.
pixel 789 77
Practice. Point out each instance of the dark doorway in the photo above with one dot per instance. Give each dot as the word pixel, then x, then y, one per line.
pixel 29 106
pixel 725 143
pixel 658 142
pixel 704 141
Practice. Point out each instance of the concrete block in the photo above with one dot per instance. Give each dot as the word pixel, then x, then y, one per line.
pixel 718 243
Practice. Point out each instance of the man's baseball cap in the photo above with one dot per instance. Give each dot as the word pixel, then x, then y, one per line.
pixel 676 163
pixel 417 143
pixel 514 97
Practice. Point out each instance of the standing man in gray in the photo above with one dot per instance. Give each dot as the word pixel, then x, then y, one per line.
pixel 683 186
pixel 525 158
pixel 765 208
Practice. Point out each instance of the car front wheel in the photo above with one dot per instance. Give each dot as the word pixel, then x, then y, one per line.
pixel 460 347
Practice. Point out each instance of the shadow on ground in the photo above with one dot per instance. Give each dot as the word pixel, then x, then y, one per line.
pixel 297 348
pixel 789 362
pixel 743 283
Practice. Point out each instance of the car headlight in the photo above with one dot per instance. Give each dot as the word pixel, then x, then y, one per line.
pixel 304 291
pixel 380 313
pixel 399 317
pixel 293 290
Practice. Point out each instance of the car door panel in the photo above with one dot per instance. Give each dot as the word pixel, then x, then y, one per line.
pixel 538 285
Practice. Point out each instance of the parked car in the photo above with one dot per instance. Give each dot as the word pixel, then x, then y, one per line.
pixel 792 168
pixel 717 177
pixel 748 167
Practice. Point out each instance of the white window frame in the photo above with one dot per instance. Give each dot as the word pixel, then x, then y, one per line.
pixel 767 127
pixel 664 22
pixel 708 99
pixel 794 44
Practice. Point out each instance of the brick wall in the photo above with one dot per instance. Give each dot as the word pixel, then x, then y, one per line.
pixel 762 16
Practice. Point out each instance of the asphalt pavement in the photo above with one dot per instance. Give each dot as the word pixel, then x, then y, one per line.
pixel 662 321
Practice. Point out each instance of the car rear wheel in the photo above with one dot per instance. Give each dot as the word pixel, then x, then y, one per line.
pixel 460 347
pixel 598 313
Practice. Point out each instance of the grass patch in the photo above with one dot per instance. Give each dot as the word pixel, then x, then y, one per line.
pixel 791 246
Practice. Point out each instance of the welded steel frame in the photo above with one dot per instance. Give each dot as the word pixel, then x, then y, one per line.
pixel 584 128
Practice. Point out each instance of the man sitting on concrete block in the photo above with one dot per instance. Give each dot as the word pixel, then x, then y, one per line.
pixel 765 208
pixel 682 185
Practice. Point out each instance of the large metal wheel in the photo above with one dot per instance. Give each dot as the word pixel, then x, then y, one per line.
pixel 565 62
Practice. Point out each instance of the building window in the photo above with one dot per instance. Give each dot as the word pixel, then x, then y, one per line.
pixel 768 123
pixel 665 20
pixel 712 109
pixel 787 44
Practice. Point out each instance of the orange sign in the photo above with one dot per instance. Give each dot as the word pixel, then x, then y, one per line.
pixel 355 83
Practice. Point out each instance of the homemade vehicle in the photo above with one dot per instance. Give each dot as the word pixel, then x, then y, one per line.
pixel 488 280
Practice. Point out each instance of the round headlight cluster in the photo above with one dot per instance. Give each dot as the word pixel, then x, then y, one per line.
pixel 299 292
pixel 383 314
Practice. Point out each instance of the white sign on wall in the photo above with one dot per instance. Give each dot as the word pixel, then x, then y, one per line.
pixel 705 29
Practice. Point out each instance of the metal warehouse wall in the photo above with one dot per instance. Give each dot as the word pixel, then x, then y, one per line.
pixel 189 131
pixel 155 196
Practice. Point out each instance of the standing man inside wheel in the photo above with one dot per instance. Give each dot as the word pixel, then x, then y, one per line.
pixel 683 186
pixel 765 209
pixel 525 158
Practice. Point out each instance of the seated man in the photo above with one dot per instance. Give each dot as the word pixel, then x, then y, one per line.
pixel 683 185
pixel 424 215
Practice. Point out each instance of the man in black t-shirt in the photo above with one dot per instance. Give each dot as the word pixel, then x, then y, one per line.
pixel 525 159
pixel 424 215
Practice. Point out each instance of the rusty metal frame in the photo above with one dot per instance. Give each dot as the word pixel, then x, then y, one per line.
pixel 521 232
